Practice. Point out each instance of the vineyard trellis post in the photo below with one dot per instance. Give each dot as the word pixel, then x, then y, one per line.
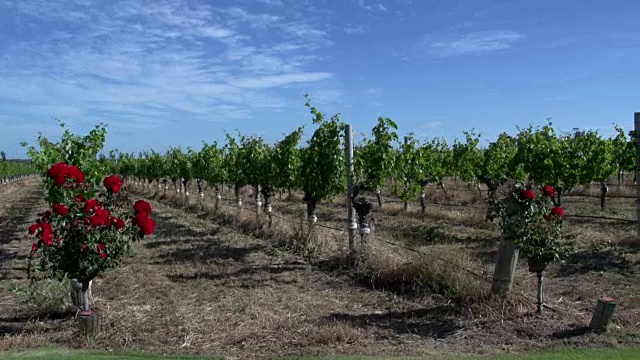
pixel 405 204
pixel 351 218
pixel 636 117
pixel 505 268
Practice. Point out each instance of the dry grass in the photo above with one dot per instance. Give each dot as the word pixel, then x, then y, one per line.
pixel 289 230
pixel 226 284
pixel 443 271
pixel 46 297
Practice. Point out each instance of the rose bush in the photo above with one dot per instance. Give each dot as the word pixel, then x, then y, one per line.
pixel 113 183
pixel 81 236
pixel 533 223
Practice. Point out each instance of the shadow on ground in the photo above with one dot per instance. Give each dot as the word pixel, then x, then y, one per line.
pixel 434 322
pixel 574 331
pixel 587 261
pixel 177 243
pixel 34 322
pixel 19 213
pixel 619 225
pixel 630 243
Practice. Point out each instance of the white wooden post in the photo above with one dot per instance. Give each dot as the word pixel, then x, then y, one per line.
pixel 256 191
pixel 351 217
pixel 505 269
pixel 637 139
pixel 405 204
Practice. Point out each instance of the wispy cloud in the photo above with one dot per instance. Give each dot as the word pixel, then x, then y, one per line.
pixel 278 80
pixel 373 96
pixel 472 43
pixel 431 125
pixel 271 2
pixel 355 29
pixel 139 65
pixel 257 20
pixel 375 7
pixel 322 97
pixel 564 97
pixel 560 42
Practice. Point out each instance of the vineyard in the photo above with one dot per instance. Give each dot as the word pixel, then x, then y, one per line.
pixel 11 172
pixel 391 245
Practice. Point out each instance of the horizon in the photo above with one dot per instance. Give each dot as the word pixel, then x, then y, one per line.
pixel 168 72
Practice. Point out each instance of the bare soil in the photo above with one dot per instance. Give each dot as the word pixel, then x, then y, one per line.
pixel 201 286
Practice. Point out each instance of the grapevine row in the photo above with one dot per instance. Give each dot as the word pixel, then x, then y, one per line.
pixel 12 171
pixel 382 160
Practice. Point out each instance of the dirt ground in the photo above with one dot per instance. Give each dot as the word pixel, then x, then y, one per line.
pixel 202 287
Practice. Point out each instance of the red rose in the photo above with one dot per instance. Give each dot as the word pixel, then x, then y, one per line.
pixel 91 204
pixel 103 255
pixel 74 173
pixel 47 237
pixel 33 228
pixel 101 217
pixel 117 222
pixel 57 170
pixel 548 191
pixel 113 183
pixel 142 207
pixel 101 246
pixel 34 247
pixel 148 226
pixel 527 195
pixel 557 211
pixel 85 247
pixel 60 209
pixel 60 172
pixel 102 212
pixel 59 180
pixel 95 221
pixel 46 227
pixel 79 198
pixel 145 223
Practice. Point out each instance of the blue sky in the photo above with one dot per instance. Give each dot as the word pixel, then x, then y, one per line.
pixel 177 72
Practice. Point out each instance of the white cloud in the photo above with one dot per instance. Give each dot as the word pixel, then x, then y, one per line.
pixel 373 96
pixel 313 37
pixel 373 91
pixel 271 2
pixel 127 62
pixel 355 29
pixel 265 82
pixel 473 43
pixel 258 20
pixel 376 7
pixel 431 125
pixel 562 97
pixel 215 32
pixel 322 97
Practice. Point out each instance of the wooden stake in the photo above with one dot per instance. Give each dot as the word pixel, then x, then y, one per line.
pixel 351 217
pixel 88 323
pixel 505 269
pixel 636 117
pixel 540 291
pixel 405 204
pixel 602 314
